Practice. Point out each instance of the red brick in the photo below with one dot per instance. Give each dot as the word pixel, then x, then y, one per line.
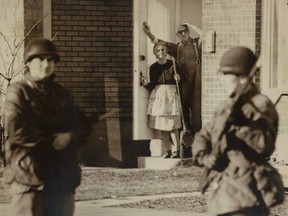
pixel 96 45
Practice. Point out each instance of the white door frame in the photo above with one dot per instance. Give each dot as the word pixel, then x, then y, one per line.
pixel 47 26
pixel 270 74
pixel 139 39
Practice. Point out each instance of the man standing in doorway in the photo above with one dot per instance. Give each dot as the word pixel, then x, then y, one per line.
pixel 188 55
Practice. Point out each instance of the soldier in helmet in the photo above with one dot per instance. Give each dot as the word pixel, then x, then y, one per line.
pixel 235 146
pixel 44 128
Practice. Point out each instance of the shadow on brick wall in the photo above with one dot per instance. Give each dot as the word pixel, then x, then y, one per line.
pixel 110 145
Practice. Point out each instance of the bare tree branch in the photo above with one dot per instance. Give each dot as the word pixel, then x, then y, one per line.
pixel 4 63
pixel 7 42
pixel 22 41
pixel 54 36
pixel 18 72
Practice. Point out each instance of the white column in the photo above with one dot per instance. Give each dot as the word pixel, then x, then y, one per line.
pixel 47 11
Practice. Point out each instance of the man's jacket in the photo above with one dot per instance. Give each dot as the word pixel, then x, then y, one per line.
pixel 188 56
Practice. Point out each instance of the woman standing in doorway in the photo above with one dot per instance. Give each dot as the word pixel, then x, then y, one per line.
pixel 163 108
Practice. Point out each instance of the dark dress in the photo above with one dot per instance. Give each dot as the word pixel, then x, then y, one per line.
pixel 163 108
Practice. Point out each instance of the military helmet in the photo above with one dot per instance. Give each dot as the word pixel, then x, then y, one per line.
pixel 238 61
pixel 40 47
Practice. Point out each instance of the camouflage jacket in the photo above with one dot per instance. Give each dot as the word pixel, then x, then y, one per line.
pixel 241 176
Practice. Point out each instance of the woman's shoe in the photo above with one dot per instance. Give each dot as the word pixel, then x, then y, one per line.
pixel 176 154
pixel 167 154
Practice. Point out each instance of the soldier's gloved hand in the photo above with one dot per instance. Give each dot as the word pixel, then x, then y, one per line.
pixel 209 161
pixel 251 112
pixel 61 141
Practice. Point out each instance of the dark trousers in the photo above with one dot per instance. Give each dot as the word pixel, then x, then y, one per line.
pixel 191 100
pixel 40 203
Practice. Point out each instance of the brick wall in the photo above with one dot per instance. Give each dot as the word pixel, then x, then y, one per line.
pixel 236 22
pixel 94 38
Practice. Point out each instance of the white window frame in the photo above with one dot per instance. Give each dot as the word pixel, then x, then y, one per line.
pixel 47 26
pixel 270 72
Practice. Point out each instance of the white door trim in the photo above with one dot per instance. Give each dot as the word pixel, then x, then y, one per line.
pixel 47 26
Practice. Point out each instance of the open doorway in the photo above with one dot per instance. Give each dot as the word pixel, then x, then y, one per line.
pixel 162 16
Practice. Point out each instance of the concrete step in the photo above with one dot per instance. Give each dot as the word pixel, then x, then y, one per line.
pixel 157 163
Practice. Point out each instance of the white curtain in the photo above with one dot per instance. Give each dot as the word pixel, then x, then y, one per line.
pixel 282 46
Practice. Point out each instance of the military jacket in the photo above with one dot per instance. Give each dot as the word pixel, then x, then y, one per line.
pixel 34 113
pixel 241 176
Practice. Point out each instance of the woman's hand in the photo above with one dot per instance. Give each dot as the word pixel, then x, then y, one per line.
pixel 61 141
pixel 177 77
pixel 143 81
pixel 146 28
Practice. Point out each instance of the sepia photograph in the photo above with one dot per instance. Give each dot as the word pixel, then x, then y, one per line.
pixel 143 107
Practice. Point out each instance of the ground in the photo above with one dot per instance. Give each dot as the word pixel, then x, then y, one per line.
pixel 102 183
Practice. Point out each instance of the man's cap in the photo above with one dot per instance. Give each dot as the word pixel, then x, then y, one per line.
pixel 238 61
pixel 182 27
